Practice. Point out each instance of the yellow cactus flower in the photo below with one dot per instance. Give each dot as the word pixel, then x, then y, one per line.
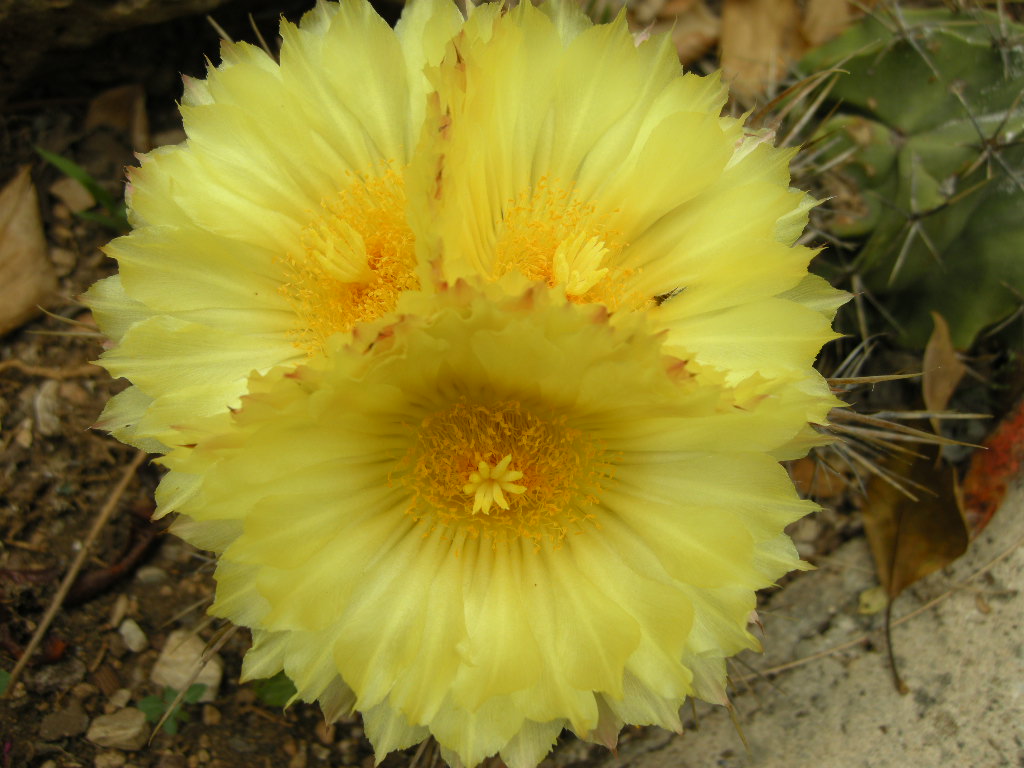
pixel 501 516
pixel 572 155
pixel 278 222
pixel 473 347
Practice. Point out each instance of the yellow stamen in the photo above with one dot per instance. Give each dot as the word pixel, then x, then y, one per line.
pixel 488 485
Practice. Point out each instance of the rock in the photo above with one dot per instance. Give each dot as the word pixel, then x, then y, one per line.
pixel 46 405
pixel 151 574
pixel 62 676
pixel 179 659
pixel 211 715
pixel 133 636
pixel 84 691
pixel 171 761
pixel 964 668
pixel 71 192
pixel 112 759
pixel 126 729
pixel 120 698
pixel 70 721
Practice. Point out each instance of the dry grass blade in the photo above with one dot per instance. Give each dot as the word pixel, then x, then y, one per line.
pixel 891 429
pixel 76 566
pixel 874 468
pixel 857 381
pixel 221 33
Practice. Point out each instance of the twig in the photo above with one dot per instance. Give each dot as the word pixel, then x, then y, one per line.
pixel 52 373
pixel 901 620
pixel 76 566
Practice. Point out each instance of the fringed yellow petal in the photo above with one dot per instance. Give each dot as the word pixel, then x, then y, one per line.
pixel 641 706
pixel 531 743
pixel 114 311
pixel 388 730
pixel 122 415
pixel 772 338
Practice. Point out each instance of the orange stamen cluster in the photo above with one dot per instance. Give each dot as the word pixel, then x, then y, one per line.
pixel 551 236
pixel 550 473
pixel 359 256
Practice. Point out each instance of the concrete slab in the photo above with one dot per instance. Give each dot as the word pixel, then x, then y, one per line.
pixel 961 657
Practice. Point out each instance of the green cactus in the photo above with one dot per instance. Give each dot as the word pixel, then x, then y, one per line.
pixel 927 164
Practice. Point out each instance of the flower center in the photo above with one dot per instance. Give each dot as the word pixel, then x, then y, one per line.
pixel 550 236
pixel 488 485
pixel 358 256
pixel 503 472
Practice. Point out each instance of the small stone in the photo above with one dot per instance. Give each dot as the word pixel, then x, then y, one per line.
pixel 299 759
pixel 119 610
pixel 70 721
pixel 240 745
pixel 133 636
pixel 211 715
pixel 181 655
pixel 71 192
pixel 120 698
pixel 151 574
pixel 320 752
pixel 115 645
pixel 112 759
pixel 84 691
pixel 171 761
pixel 63 260
pixel 125 729
pixel 62 676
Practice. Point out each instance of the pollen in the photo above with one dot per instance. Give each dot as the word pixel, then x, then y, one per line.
pixel 357 257
pixel 503 471
pixel 549 235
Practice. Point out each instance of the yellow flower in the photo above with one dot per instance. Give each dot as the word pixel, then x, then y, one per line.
pixel 574 156
pixel 280 221
pixel 501 516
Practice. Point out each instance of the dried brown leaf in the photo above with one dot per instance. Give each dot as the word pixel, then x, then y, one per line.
pixel 122 108
pixel 942 369
pixel 759 39
pixel 696 30
pixel 825 19
pixel 910 539
pixel 26 277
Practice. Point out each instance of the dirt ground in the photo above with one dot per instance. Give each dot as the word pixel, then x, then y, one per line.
pixel 56 474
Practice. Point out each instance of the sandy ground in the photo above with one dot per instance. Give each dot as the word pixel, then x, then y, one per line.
pixel 962 659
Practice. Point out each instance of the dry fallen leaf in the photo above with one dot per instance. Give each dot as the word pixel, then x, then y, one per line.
pixel 910 539
pixel 26 278
pixel 993 469
pixel 696 30
pixel 759 39
pixel 123 108
pixel 825 19
pixel 814 480
pixel 942 369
